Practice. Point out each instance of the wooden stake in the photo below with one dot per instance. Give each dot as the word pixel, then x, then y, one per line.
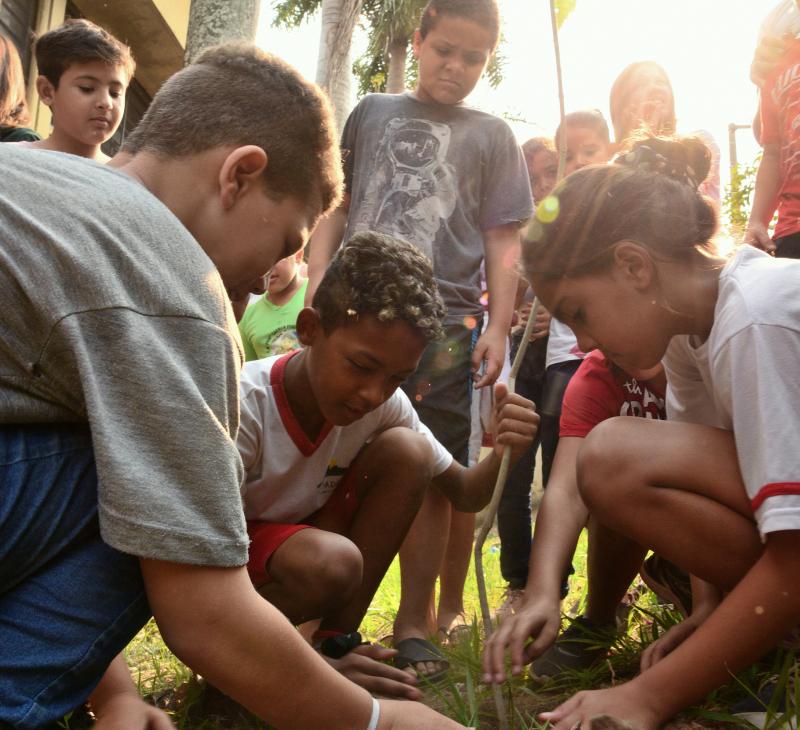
pixel 523 346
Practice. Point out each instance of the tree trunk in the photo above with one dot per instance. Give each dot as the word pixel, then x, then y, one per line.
pixel 396 73
pixel 218 21
pixel 339 18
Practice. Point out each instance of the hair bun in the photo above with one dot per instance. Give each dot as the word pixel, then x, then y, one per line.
pixel 685 159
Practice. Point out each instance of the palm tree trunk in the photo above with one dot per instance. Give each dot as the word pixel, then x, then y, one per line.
pixel 218 21
pixel 339 19
pixel 396 72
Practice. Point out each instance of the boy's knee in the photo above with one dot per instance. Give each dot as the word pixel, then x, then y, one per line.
pixel 335 571
pixel 404 448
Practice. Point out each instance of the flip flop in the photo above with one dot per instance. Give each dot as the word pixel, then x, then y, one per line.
pixel 457 634
pixel 415 651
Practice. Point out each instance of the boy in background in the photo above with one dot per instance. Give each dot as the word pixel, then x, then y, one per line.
pixel 778 178
pixel 424 167
pixel 269 325
pixel 83 74
pixel 337 461
pixel 119 397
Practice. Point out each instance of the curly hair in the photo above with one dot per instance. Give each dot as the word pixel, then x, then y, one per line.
pixel 236 94
pixel 384 277
pixel 80 41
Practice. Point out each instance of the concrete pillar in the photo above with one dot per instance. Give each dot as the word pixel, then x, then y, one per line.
pixel 217 21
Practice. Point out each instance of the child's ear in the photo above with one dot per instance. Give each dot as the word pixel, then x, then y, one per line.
pixel 241 171
pixel 45 89
pixel 634 264
pixel 308 326
pixel 416 42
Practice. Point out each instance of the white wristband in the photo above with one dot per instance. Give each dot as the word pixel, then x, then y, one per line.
pixel 376 715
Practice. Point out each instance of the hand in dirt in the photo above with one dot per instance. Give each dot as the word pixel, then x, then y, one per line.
pixel 366 666
pixel 538 620
pixel 670 641
pixel 622 703
pixel 413 716
pixel 127 711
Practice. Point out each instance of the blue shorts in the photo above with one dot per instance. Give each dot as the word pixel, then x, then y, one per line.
pixel 68 602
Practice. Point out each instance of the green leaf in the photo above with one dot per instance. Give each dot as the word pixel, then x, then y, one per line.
pixel 563 9
pixel 291 13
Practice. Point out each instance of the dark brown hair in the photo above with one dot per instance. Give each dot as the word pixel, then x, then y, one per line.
pixel 383 277
pixel 648 196
pixel 485 13
pixel 79 41
pixel 13 107
pixel 236 95
pixel 621 91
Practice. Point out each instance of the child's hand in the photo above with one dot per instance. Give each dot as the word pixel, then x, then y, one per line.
pixel 515 422
pixel 538 619
pixel 491 348
pixel 365 666
pixel 541 327
pixel 127 711
pixel 766 58
pixel 756 234
pixel 670 641
pixel 623 702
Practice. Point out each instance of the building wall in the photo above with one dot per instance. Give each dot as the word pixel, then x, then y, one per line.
pixel 176 13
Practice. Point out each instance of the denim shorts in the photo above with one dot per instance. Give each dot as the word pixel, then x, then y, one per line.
pixel 69 603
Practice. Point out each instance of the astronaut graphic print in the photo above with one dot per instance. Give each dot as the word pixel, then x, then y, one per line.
pixel 413 188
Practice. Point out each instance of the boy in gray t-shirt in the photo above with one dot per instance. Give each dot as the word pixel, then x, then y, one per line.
pixel 451 180
pixel 119 364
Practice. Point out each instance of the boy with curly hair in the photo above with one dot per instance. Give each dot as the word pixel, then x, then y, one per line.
pixel 336 460
pixel 425 167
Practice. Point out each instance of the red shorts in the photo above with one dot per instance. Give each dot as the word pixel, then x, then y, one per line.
pixel 267 537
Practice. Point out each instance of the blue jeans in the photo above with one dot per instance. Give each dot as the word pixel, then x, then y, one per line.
pixel 68 602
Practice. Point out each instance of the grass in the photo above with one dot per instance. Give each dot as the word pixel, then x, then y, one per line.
pixel 161 677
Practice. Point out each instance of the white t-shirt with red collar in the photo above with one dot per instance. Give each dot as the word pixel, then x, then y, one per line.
pixel 744 378
pixel 287 476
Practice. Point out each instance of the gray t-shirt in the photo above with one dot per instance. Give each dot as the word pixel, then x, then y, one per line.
pixel 114 315
pixel 436 176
